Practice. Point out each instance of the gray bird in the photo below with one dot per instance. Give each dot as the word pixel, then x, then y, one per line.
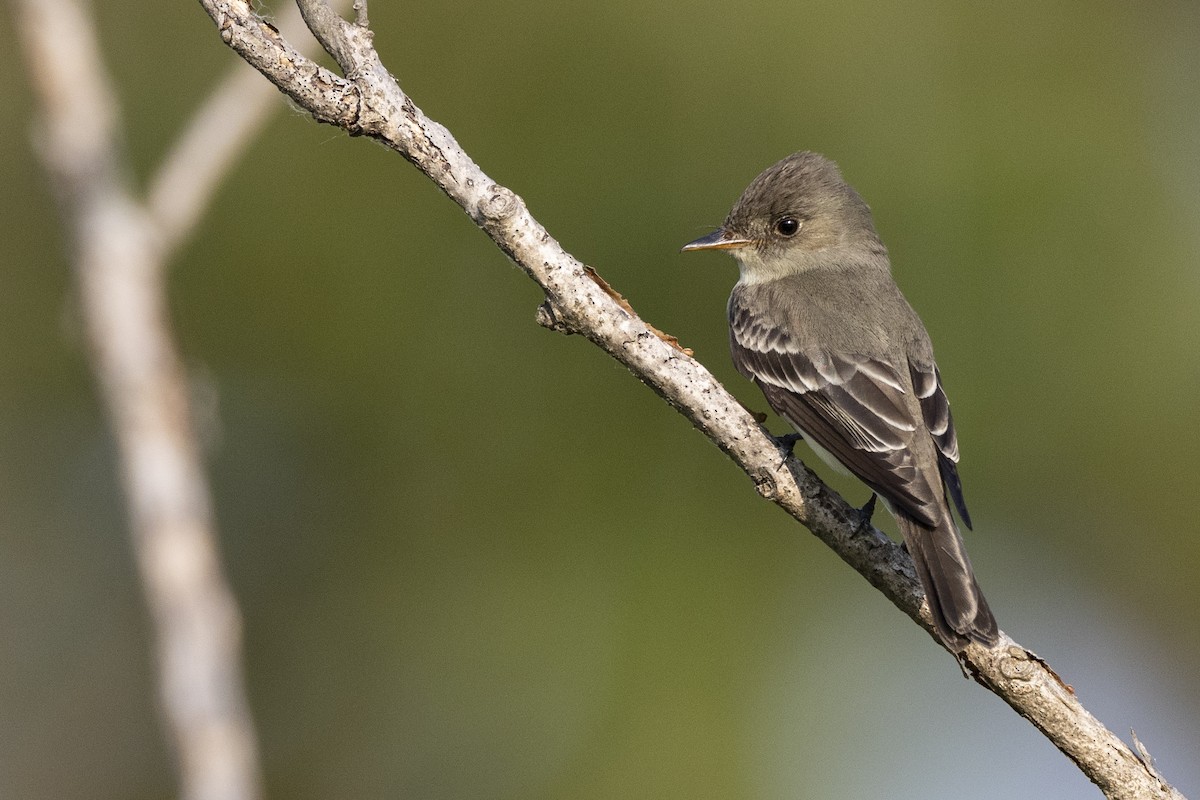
pixel 817 322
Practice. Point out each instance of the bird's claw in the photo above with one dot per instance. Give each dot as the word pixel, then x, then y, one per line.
pixel 788 441
pixel 866 513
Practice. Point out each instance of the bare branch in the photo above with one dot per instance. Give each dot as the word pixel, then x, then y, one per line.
pixel 215 137
pixel 331 31
pixel 264 48
pixel 372 103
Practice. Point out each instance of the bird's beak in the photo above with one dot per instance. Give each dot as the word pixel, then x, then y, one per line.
pixel 720 239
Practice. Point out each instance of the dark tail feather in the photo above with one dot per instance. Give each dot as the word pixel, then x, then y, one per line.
pixel 959 611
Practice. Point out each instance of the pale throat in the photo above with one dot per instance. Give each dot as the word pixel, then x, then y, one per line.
pixel 754 269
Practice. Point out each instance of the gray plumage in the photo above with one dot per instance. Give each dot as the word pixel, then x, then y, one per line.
pixel 817 322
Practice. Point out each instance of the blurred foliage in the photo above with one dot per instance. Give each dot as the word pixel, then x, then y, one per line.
pixel 477 559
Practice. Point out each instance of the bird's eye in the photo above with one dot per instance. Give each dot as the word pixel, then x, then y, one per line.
pixel 788 226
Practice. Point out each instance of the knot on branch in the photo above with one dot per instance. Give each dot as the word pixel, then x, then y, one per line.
pixel 1016 665
pixel 500 204
pixel 766 485
pixel 549 317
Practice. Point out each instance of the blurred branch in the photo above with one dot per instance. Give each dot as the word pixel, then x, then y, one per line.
pixel 119 267
pixel 120 248
pixel 370 102
pixel 217 134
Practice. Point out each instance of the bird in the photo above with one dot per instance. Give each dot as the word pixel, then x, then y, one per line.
pixel 817 322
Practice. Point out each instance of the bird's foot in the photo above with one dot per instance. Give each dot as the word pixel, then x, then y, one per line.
pixel 787 443
pixel 866 513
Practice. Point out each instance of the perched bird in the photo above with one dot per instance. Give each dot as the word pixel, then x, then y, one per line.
pixel 816 321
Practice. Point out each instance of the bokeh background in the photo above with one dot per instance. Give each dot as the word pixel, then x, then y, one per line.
pixel 478 559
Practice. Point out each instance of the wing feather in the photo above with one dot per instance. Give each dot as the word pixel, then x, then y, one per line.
pixel 935 408
pixel 855 407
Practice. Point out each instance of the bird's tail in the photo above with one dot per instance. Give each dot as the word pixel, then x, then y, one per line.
pixel 959 611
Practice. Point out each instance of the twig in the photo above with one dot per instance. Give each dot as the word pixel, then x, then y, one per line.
pixel 371 103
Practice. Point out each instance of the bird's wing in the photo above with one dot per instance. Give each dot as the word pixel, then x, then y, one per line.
pixel 935 408
pixel 853 406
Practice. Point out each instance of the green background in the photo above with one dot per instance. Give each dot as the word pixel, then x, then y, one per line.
pixel 478 559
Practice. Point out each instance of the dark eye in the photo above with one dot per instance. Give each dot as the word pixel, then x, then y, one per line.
pixel 788 226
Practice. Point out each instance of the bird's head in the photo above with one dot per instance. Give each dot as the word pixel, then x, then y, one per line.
pixel 798 213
